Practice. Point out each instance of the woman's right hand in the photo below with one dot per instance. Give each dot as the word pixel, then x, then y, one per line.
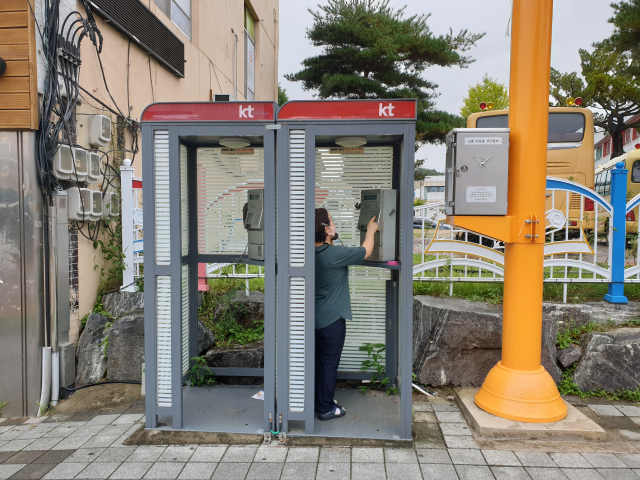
pixel 372 227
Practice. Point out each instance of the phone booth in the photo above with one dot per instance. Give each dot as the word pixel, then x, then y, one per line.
pixel 356 159
pixel 209 197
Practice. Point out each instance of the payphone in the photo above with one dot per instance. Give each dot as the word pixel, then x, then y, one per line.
pixel 253 219
pixel 477 171
pixel 379 203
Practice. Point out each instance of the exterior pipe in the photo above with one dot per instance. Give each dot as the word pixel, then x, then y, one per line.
pixel 54 361
pixel 46 380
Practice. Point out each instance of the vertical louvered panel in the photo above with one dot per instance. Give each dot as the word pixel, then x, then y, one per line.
pixel 296 343
pixel 297 198
pixel 185 319
pixel 162 189
pixel 163 339
pixel 223 178
pixel 339 179
pixel 184 199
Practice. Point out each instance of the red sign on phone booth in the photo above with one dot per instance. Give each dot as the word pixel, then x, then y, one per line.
pixel 348 110
pixel 210 111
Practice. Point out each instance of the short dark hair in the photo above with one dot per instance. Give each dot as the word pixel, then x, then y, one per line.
pixel 322 220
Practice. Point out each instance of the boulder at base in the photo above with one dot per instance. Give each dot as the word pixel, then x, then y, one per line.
pixel 250 355
pixel 569 356
pixel 118 304
pixel 456 342
pixel 205 338
pixel 611 361
pixel 92 364
pixel 245 309
pixel 125 350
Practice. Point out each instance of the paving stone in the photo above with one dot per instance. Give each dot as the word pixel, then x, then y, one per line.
pixel 231 471
pixel 570 460
pixel 118 410
pixel 370 471
pixel 21 428
pixel 366 455
pixel 455 429
pixel 61 431
pixel 16 445
pixel 266 471
pixel 115 430
pixel 400 455
pixel 177 453
pixel 438 472
pixel 146 453
pixel 25 456
pixel 71 442
pixel 535 459
pixel 10 435
pixel 538 473
pixel 164 470
pixel 115 454
pixel 8 470
pixel 83 416
pixel 100 441
pixel 425 417
pixel 422 407
pixel 433 455
pixel 136 409
pixel 34 471
pixel 630 435
pixel 99 470
pixel 54 456
pixel 14 421
pixel 5 455
pixel 84 455
pixel 270 454
pixel 447 417
pixel 460 441
pixel 617 474
pixel 629 411
pixel 510 473
pixel 4 429
pixel 337 471
pixel 474 472
pixel 445 407
pixel 43 444
pixel 403 471
pixel 65 471
pixel 103 419
pixel 604 460
pixel 466 456
pixel 501 458
pixel 303 454
pixel 636 420
pixel 34 420
pixel 89 430
pixel 128 418
pixel 133 470
pixel 631 460
pixel 33 433
pixel 582 474
pixel 208 454
pixel 335 454
pixel 239 453
pixel 298 470
pixel 58 418
pixel 606 410
pixel 197 471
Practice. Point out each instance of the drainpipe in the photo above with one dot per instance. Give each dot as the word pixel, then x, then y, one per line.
pixel 53 301
pixel 235 66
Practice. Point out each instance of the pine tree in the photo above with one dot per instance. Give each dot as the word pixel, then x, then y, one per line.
pixel 489 90
pixel 626 35
pixel 371 50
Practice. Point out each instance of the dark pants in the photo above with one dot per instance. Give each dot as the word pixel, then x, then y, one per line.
pixel 329 344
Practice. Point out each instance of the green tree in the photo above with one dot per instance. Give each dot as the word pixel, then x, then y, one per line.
pixel 371 50
pixel 626 35
pixel 282 95
pixel 420 173
pixel 489 90
pixel 607 85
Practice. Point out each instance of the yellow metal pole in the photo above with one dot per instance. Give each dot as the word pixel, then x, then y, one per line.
pixel 518 387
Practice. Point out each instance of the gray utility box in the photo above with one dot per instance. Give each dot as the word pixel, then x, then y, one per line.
pixel 380 203
pixel 477 171
pixel 254 223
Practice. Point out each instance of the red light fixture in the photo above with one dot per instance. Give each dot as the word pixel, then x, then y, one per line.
pixel 631 216
pixel 637 146
pixel 573 224
pixel 588 205
pixel 483 105
pixel 578 101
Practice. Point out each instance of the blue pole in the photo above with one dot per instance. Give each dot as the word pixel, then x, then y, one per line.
pixel 619 221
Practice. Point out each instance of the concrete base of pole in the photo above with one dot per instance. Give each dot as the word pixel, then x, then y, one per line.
pixel 575 427
pixel 524 396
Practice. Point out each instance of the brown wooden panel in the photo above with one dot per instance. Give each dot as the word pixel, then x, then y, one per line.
pixel 14 52
pixel 13 19
pixel 20 119
pixel 14 84
pixel 19 68
pixel 14 101
pixel 14 36
pixel 14 5
pixel 33 68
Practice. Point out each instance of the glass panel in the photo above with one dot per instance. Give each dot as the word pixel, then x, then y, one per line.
pixel 635 172
pixel 563 127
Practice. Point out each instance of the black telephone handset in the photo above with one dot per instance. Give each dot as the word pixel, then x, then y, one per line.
pixel 244 215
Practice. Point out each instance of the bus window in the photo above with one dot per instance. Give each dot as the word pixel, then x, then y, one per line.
pixel 493 121
pixel 635 172
pixel 563 127
pixel 607 183
pixel 597 182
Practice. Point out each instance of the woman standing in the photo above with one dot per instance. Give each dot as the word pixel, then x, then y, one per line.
pixel 333 306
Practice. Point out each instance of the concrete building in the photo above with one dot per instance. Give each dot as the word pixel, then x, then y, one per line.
pixel 430 189
pixel 604 145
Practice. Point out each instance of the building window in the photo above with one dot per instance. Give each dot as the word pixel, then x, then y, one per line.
pixel 249 55
pixel 435 189
pixel 598 153
pixel 179 11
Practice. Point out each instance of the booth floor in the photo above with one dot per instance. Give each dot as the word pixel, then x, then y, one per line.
pixel 372 415
pixel 222 408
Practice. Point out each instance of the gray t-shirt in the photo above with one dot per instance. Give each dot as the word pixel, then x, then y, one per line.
pixel 332 282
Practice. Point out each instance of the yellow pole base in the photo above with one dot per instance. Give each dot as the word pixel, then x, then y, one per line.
pixel 524 396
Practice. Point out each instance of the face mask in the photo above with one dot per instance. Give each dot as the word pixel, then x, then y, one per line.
pixel 332 231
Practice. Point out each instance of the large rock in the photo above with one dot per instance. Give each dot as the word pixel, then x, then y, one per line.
pixel 569 356
pixel 118 304
pixel 611 361
pixel 456 342
pixel 238 356
pixel 125 348
pixel 205 338
pixel 246 309
pixel 92 364
pixel 602 313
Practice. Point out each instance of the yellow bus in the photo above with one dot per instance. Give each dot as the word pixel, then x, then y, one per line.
pixel 569 152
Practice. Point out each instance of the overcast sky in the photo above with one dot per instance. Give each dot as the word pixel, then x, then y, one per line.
pixel 577 24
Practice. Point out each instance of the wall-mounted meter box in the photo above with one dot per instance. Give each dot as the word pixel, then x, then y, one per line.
pixel 379 203
pixel 253 217
pixel 81 163
pixel 63 163
pixel 477 171
pixel 111 204
pixel 93 162
pixel 97 209
pixel 100 130
pixel 80 204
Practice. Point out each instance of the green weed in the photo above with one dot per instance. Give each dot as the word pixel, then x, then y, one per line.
pixel 200 373
pixel 375 360
pixel 2 405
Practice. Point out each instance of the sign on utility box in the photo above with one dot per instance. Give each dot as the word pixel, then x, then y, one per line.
pixel 477 171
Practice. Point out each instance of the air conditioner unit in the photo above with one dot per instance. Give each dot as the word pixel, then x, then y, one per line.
pixel 100 131
pixel 80 203
pixel 111 204
pixel 97 209
pixel 63 163
pixel 224 97
pixel 81 163
pixel 93 176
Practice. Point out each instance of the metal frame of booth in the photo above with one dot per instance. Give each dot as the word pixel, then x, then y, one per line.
pixel 196 125
pixel 300 123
